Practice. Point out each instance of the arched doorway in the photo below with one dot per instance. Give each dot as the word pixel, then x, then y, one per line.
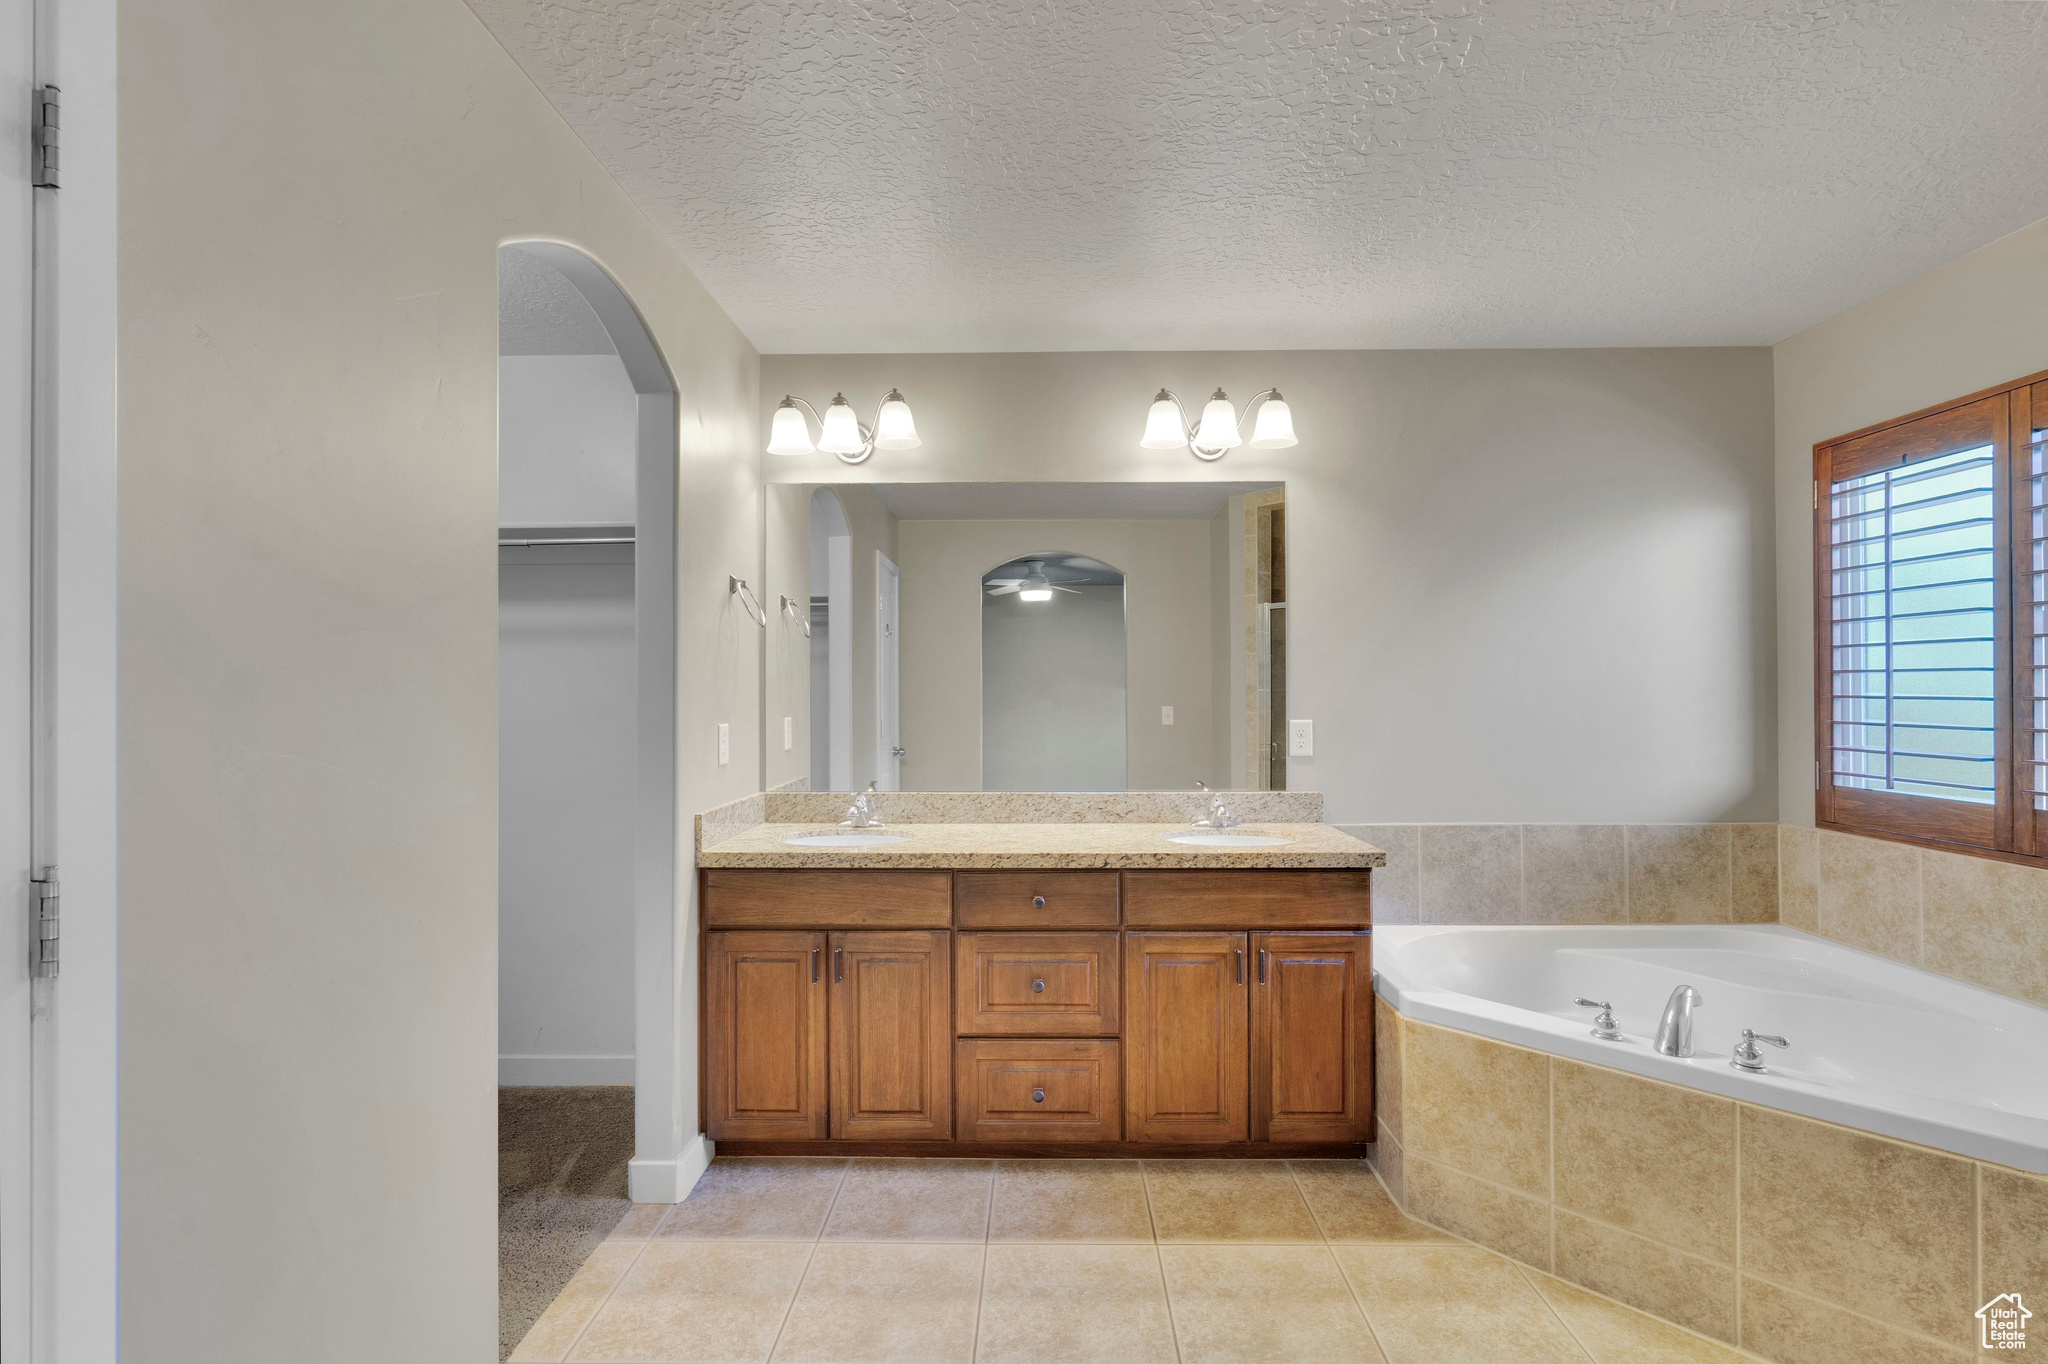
pixel 587 738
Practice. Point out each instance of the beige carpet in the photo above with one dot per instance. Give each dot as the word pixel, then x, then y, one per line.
pixel 562 1157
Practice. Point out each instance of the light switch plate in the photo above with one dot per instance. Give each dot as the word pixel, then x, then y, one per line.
pixel 724 745
pixel 788 733
pixel 1166 715
pixel 1301 738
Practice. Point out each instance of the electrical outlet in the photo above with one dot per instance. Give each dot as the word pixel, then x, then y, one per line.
pixel 1301 738
pixel 724 745
pixel 788 733
pixel 1166 715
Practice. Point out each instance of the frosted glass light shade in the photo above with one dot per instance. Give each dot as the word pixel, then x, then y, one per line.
pixel 1163 430
pixel 1034 594
pixel 1274 429
pixel 789 434
pixel 895 429
pixel 1218 430
pixel 841 434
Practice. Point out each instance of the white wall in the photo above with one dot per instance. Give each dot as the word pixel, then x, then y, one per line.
pixel 1524 585
pixel 1974 323
pixel 567 756
pixel 1169 610
pixel 566 440
pixel 1053 692
pixel 312 198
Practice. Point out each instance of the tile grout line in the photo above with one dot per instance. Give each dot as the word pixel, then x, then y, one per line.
pixel 789 1308
pixel 1159 1259
pixel 1555 1315
pixel 1738 1224
pixel 1331 1251
pixel 987 1225
pixel 605 1301
pixel 1628 876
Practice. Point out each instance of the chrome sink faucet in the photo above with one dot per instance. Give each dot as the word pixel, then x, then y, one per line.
pixel 1674 1029
pixel 861 814
pixel 1219 816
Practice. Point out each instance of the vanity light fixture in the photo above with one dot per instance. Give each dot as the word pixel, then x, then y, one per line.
pixel 840 432
pixel 1167 427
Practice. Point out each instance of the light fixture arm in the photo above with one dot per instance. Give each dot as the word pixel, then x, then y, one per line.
pixel 1199 452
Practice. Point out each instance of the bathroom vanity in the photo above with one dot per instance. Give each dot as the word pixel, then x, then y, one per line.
pixel 1046 988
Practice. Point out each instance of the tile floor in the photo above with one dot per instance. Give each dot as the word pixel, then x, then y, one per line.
pixel 1066 1261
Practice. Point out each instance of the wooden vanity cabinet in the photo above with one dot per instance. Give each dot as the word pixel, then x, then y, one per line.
pixel 764 1036
pixel 1186 1037
pixel 1311 1010
pixel 1038 1012
pixel 891 1026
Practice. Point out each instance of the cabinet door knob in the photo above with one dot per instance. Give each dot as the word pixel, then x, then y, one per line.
pixel 1038 902
pixel 1037 987
pixel 1038 1096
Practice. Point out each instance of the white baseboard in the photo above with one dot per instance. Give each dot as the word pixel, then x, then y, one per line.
pixel 669 1181
pixel 519 1072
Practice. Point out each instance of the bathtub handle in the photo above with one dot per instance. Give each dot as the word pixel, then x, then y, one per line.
pixel 1603 1023
pixel 1747 1057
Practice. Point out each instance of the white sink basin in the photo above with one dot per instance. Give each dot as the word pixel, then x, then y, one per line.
pixel 845 840
pixel 1202 838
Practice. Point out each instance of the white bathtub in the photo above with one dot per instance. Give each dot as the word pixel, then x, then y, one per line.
pixel 1875 1045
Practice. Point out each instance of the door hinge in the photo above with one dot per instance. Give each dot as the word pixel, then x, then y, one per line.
pixel 45 896
pixel 44 156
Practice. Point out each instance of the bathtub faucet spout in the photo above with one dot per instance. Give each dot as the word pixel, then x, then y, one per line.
pixel 1674 1029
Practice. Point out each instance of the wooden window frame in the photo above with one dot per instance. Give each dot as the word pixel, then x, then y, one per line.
pixel 2014 831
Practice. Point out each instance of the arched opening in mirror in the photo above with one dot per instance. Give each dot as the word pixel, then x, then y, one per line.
pixel 1054 675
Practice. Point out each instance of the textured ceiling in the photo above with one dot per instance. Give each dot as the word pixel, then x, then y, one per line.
pixel 960 175
pixel 541 313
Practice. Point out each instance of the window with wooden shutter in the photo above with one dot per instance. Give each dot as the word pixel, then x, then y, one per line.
pixel 1931 626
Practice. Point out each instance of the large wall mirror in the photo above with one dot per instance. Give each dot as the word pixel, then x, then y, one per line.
pixel 1026 636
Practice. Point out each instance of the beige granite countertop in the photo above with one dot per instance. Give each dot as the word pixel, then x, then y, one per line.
pixel 999 846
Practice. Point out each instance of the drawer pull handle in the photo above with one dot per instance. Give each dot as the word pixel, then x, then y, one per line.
pixel 1038 1096
pixel 1037 987
pixel 1038 902
pixel 814 964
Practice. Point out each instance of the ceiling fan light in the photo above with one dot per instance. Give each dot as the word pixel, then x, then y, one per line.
pixel 1163 430
pixel 789 434
pixel 841 433
pixel 1034 594
pixel 895 428
pixel 1274 429
pixel 1218 430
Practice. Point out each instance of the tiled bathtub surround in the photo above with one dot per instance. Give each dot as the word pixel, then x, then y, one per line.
pixel 1574 873
pixel 1799 1240
pixel 1971 918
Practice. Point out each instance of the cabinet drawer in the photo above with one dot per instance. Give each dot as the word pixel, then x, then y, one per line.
pixel 1038 1091
pixel 827 899
pixel 1036 984
pixel 1247 899
pixel 1036 899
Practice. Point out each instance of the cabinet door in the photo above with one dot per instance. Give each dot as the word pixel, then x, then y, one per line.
pixel 764 1036
pixel 892 1035
pixel 1184 1037
pixel 1311 1037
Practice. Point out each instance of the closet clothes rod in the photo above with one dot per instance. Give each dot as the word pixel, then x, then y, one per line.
pixel 581 540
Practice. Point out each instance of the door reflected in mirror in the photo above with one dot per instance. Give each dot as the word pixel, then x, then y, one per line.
pixel 1027 636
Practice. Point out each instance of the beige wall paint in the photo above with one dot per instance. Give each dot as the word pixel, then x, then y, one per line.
pixel 1973 323
pixel 1526 585
pixel 1168 616
pixel 311 202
